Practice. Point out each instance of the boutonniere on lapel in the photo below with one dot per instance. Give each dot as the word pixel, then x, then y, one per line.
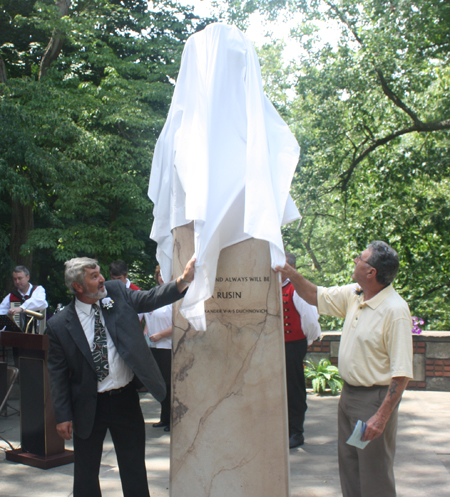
pixel 358 291
pixel 59 308
pixel 107 303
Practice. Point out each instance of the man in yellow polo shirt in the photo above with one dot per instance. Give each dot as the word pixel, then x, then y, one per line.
pixel 375 362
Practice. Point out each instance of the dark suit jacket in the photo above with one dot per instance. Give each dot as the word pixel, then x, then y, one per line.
pixel 72 372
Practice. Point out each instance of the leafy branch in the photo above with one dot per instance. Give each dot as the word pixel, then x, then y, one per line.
pixel 358 158
pixel 360 153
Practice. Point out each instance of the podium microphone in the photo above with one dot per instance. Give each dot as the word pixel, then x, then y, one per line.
pixel 37 315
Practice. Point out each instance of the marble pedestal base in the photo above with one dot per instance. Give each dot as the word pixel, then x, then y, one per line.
pixel 229 419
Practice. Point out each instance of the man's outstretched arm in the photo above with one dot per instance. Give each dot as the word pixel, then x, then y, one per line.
pixel 304 288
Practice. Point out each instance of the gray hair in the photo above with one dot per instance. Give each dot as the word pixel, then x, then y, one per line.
pixel 385 260
pixel 21 269
pixel 76 270
pixel 291 259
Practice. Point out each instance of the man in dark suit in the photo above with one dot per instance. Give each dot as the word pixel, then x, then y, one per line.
pixel 97 347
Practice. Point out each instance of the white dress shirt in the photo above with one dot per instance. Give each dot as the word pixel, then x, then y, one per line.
pixel 119 373
pixel 36 302
pixel 159 320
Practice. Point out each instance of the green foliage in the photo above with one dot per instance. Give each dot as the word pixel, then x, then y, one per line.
pixel 372 116
pixel 323 375
pixel 276 77
pixel 76 144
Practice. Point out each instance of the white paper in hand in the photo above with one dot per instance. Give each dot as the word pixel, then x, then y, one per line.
pixel 356 437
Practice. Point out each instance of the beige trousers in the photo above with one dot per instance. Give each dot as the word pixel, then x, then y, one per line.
pixel 365 472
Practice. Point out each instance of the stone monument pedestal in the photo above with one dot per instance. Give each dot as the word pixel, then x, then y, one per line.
pixel 229 417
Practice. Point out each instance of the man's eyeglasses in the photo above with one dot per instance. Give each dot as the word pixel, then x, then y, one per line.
pixel 359 258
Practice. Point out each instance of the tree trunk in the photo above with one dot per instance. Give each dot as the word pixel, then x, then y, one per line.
pixel 56 41
pixel 3 77
pixel 22 222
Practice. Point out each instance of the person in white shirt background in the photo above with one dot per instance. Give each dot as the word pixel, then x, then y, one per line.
pixel 158 332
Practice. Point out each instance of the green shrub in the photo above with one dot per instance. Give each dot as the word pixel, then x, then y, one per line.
pixel 323 375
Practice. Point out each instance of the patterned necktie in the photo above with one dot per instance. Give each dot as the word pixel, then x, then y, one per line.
pixel 99 347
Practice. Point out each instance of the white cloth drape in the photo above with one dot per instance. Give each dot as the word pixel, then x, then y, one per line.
pixel 224 159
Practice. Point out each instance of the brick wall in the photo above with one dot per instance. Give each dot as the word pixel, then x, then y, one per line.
pixel 419 350
pixel 437 367
pixel 431 358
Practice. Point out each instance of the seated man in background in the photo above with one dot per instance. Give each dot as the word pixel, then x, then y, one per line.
pixel 25 297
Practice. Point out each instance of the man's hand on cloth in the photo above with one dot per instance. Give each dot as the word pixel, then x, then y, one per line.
pixel 286 272
pixel 188 275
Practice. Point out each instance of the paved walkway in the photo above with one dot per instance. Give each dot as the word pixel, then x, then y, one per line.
pixel 422 463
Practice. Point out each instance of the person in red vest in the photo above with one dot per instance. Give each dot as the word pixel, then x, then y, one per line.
pixel 118 270
pixel 301 327
pixel 30 297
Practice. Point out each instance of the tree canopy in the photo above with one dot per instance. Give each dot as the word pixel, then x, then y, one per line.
pixel 372 114
pixel 86 89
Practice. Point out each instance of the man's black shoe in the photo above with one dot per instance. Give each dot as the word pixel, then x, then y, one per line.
pixel 159 425
pixel 296 440
pixel 167 428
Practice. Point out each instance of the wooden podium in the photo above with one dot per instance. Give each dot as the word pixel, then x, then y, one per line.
pixel 41 446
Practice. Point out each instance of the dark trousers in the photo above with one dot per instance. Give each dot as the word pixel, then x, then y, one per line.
pixel 163 358
pixel 120 414
pixel 365 472
pixel 295 381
